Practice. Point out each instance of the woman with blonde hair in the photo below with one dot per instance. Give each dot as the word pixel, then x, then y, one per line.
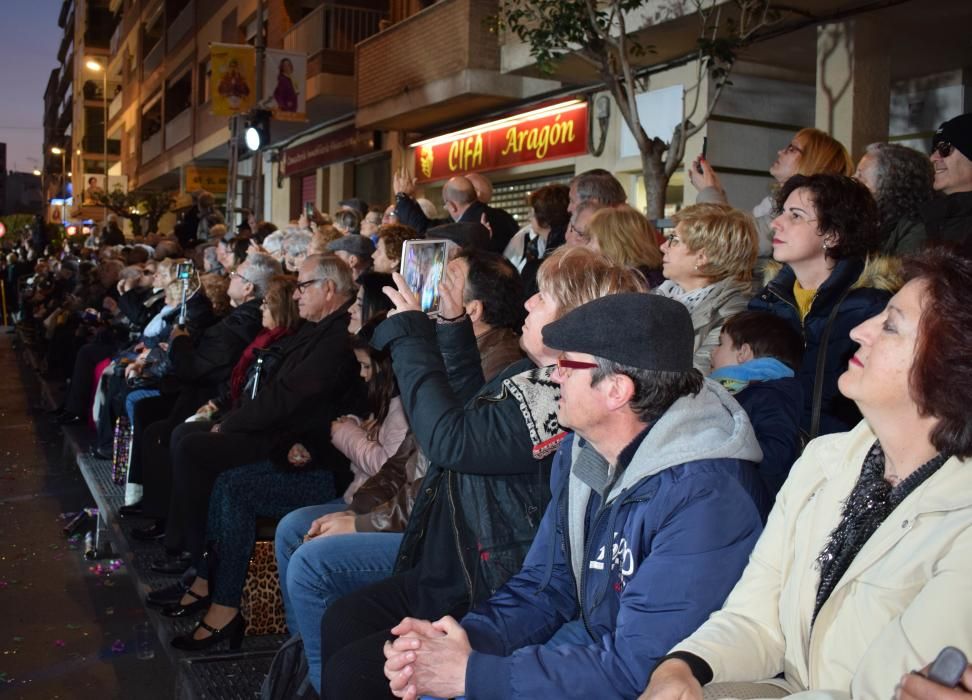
pixel 810 152
pixel 708 263
pixel 626 237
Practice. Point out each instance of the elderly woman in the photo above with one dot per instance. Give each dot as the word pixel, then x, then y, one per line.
pixel 809 152
pixel 827 228
pixel 627 238
pixel 295 245
pixel 863 567
pixel 900 179
pixel 708 263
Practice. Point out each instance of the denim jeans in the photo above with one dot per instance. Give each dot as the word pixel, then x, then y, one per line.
pixel 315 574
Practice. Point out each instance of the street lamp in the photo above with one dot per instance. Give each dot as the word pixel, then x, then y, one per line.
pixel 63 153
pixel 93 65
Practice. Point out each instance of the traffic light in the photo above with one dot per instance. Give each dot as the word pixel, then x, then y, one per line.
pixel 256 134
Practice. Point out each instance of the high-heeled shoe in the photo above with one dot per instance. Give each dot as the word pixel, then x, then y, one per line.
pixel 233 631
pixel 177 609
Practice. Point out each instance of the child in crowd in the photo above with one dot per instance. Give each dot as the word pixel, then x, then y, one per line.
pixel 755 361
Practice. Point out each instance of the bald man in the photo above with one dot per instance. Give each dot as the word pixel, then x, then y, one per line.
pixel 502 223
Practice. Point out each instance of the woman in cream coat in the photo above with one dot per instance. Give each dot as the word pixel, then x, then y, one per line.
pixel 863 572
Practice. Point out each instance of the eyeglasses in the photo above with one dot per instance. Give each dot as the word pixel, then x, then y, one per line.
pixel 791 148
pixel 581 233
pixel 564 365
pixel 942 148
pixel 245 279
pixel 302 286
pixel 672 239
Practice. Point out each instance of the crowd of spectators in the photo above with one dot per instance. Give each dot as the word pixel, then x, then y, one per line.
pixel 725 460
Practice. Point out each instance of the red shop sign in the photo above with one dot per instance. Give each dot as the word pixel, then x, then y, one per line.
pixel 548 133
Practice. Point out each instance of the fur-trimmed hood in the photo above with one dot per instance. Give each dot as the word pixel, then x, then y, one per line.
pixel 880 272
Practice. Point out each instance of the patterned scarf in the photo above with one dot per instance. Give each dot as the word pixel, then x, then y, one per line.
pixel 869 504
pixel 689 300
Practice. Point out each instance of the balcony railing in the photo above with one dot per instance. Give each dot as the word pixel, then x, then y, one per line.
pixel 153 59
pixel 151 147
pixel 180 26
pixel 333 28
pixel 116 39
pixel 178 128
pixel 116 105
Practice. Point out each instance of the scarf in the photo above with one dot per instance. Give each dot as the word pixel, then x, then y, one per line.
pixel 735 378
pixel 869 504
pixel 689 300
pixel 265 338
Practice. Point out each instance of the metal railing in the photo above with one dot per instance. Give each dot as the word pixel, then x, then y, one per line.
pixel 153 59
pixel 333 28
pixel 180 26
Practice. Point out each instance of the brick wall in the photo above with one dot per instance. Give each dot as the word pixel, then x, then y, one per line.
pixel 440 41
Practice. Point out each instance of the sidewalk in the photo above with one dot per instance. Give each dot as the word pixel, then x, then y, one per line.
pixel 66 624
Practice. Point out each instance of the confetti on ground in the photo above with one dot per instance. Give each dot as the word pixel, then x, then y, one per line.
pixel 118 646
pixel 59 643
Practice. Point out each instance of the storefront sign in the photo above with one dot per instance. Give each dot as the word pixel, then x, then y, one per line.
pixel 336 146
pixel 548 133
pixel 212 180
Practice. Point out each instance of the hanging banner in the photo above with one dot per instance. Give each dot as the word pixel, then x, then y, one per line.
pixel 232 78
pixel 285 85
pixel 94 187
pixel 546 133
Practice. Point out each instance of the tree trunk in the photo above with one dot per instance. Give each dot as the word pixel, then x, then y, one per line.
pixel 656 181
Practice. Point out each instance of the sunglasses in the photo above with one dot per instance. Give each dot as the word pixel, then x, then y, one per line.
pixel 942 148
pixel 564 365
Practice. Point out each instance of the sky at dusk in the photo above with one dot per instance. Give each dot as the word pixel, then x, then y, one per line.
pixel 28 53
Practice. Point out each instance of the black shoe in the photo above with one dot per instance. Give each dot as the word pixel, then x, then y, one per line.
pixel 98 453
pixel 171 565
pixel 177 609
pixel 149 533
pixel 232 631
pixel 133 511
pixel 162 597
pixel 69 419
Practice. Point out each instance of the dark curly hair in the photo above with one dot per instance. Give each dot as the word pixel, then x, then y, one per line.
pixel 549 204
pixel 494 281
pixel 941 375
pixel 843 207
pixel 904 183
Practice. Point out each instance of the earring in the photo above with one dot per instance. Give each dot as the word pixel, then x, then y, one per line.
pixel 825 246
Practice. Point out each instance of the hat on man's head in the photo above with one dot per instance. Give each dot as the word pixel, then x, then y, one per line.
pixel 183 200
pixel 645 331
pixel 958 132
pixel 353 244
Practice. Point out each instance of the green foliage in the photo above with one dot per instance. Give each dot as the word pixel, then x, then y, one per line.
pixel 137 205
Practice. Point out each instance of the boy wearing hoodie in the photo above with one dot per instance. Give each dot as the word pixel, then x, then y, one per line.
pixel 755 361
pixel 651 523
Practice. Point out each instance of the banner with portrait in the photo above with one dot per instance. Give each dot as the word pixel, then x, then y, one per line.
pixel 285 85
pixel 232 78
pixel 94 188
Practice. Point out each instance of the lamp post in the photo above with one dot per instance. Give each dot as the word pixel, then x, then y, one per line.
pixel 103 69
pixel 61 152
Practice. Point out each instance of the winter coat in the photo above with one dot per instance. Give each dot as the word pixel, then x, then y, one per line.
pixel 384 502
pixel 902 599
pixel 644 567
pixel 948 219
pixel 368 455
pixel 870 286
pixel 906 236
pixel 316 381
pixel 487 480
pixel 728 297
pixel 774 408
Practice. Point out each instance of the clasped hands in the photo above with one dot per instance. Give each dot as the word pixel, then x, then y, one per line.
pixel 427 658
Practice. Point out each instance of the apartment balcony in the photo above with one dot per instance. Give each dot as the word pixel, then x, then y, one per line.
pixel 67 77
pixel 67 39
pixel 452 70
pixel 67 115
pixel 115 106
pixel 179 128
pixel 180 27
pixel 328 36
pixel 66 8
pixel 152 147
pixel 116 39
pixel 153 59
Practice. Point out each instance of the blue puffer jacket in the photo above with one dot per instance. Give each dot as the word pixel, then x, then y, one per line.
pixel 649 564
pixel 870 288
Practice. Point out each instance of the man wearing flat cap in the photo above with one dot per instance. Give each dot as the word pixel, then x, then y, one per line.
pixel 949 218
pixel 650 525
pixel 355 250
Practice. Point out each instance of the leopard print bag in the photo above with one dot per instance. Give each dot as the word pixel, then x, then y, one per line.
pixel 262 603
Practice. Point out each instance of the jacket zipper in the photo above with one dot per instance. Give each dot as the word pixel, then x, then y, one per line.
pixel 455 535
pixel 803 328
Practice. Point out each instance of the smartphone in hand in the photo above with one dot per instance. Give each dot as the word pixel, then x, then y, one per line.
pixel 948 667
pixel 705 147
